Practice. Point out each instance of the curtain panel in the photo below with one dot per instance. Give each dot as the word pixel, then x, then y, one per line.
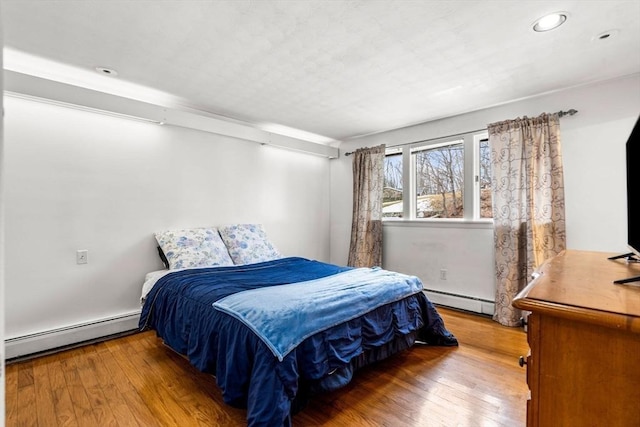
pixel 366 228
pixel 528 204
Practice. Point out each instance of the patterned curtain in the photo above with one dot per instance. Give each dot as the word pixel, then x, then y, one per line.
pixel 366 227
pixel 528 204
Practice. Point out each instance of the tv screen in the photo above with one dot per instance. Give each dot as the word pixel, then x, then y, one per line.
pixel 633 189
pixel 633 197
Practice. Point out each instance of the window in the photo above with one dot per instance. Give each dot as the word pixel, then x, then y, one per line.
pixel 439 179
pixel 392 191
pixel 484 178
pixel 446 178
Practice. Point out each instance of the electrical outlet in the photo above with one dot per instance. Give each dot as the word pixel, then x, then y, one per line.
pixel 443 274
pixel 82 256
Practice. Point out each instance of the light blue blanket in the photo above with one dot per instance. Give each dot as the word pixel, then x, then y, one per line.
pixel 284 316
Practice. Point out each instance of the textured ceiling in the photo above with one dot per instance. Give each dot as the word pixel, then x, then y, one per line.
pixel 333 68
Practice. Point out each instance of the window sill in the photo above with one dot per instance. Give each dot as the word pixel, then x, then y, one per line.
pixel 438 223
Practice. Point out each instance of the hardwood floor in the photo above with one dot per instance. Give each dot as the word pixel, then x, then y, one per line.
pixel 137 381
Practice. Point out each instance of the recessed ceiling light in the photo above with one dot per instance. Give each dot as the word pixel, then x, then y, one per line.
pixel 550 21
pixel 107 71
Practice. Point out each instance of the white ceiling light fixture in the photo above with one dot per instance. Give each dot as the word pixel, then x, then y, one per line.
pixel 550 21
pixel 85 77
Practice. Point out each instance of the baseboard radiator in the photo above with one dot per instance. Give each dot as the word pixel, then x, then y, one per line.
pixel 38 342
pixel 462 302
pixel 26 345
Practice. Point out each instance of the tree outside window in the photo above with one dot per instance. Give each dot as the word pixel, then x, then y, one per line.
pixel 440 181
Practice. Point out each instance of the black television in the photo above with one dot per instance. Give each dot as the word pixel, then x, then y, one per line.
pixel 633 199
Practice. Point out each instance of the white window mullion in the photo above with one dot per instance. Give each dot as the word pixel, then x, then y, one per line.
pixel 471 179
pixel 409 184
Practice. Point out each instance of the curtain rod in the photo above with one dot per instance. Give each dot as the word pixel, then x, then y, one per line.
pixel 570 112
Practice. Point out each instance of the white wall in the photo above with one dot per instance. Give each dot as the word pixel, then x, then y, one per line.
pixel 81 180
pixel 2 376
pixel 593 144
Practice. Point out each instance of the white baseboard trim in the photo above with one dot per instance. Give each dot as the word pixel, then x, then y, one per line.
pixel 50 339
pixel 462 302
pixel 54 338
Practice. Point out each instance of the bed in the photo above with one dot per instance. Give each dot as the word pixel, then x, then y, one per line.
pixel 274 330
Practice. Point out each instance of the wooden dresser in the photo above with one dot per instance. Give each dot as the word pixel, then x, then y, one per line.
pixel 584 334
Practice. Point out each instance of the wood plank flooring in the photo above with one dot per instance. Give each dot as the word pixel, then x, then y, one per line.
pixel 137 381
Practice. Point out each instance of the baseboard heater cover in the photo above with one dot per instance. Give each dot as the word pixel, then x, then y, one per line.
pixel 60 337
pixel 463 302
pixel 46 340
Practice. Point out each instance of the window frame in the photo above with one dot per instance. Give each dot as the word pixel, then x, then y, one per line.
pixel 471 187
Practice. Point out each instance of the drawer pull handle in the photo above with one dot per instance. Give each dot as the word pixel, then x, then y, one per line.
pixel 522 361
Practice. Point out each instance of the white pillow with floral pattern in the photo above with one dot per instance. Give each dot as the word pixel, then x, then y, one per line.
pixel 248 243
pixel 194 247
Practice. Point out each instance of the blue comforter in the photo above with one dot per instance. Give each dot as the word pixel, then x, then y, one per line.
pixel 315 305
pixel 180 309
